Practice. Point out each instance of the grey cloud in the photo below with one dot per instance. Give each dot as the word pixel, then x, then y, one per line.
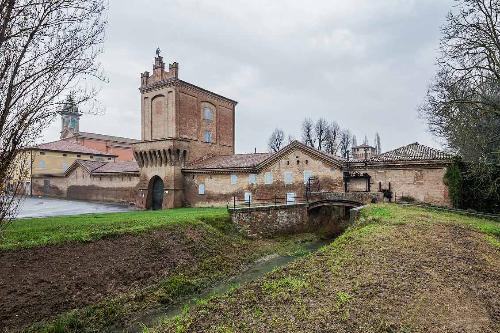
pixel 365 64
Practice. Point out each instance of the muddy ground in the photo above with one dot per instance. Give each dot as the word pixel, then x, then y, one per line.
pixel 403 278
pixel 41 282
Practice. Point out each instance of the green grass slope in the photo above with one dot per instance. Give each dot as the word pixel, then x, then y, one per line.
pixel 399 269
pixel 25 233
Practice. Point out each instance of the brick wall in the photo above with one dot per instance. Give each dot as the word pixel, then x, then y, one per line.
pixel 423 183
pixel 219 189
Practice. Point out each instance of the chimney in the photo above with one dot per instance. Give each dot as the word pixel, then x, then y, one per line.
pixel 174 70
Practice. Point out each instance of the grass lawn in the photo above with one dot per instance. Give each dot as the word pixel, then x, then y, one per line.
pixel 25 233
pixel 399 269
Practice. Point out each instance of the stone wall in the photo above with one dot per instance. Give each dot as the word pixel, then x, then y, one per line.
pixel 80 185
pixel 423 183
pixel 271 220
pixel 219 188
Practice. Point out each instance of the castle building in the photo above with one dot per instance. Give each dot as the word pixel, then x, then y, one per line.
pixel 186 157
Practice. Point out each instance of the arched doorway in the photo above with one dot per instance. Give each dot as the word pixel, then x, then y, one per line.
pixel 156 190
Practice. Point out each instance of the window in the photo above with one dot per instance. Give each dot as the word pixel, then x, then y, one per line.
pixel 65 155
pixel 207 136
pixel 248 197
pixel 307 174
pixel 288 177
pixel 208 114
pixel 91 156
pixel 201 189
pixel 234 179
pixel 252 179
pixel 78 155
pixel 290 198
pixel 268 178
pixel 42 153
pixel 42 164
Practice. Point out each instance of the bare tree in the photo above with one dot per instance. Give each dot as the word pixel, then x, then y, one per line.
pixel 276 140
pixel 331 139
pixel 365 141
pixel 463 102
pixel 354 141
pixel 308 133
pixel 320 132
pixel 345 143
pixel 290 139
pixel 378 146
pixel 48 48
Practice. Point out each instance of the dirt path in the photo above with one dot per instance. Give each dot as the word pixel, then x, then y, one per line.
pixel 41 282
pixel 402 278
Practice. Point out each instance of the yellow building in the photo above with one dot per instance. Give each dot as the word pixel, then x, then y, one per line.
pixel 53 159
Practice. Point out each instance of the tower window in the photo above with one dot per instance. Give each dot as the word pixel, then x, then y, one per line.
pixel 234 179
pixel 208 114
pixel 207 137
pixel 41 164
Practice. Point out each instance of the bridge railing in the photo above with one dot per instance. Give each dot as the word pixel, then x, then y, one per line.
pixel 249 202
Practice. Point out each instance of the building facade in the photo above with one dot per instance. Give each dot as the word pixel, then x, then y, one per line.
pixel 186 157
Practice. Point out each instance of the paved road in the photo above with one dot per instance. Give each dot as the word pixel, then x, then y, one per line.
pixel 41 207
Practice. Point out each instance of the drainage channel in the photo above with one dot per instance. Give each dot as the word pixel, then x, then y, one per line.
pixel 256 270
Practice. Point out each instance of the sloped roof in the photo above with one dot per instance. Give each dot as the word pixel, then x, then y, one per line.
pixel 257 160
pixel 118 167
pixel 230 161
pixel 105 137
pixel 70 147
pixel 364 145
pixel 412 152
pixel 98 167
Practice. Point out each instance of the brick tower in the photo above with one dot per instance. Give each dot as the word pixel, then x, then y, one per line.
pixel 180 123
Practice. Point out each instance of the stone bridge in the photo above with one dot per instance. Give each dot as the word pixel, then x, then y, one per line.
pixel 325 212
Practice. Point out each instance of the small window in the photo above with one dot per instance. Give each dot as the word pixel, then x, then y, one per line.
pixel 207 136
pixel 208 114
pixel 65 155
pixel 287 162
pixel 268 178
pixel 248 197
pixel 298 162
pixel 234 179
pixel 290 198
pixel 288 177
pixel 42 164
pixel 109 158
pixel 307 161
pixel 252 179
pixel 91 156
pixel 201 189
pixel 42 153
pixel 78 155
pixel 307 174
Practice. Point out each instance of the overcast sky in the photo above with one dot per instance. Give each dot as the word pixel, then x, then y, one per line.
pixel 363 63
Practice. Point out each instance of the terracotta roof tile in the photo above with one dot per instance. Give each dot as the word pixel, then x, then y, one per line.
pixel 412 152
pixel 70 147
pixel 105 137
pixel 230 161
pixel 118 167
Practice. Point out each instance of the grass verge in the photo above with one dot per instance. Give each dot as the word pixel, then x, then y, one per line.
pixel 399 269
pixel 33 232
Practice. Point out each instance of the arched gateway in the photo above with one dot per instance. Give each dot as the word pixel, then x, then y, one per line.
pixel 156 190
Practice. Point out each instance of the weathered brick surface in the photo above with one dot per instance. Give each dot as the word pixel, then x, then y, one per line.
pixel 219 190
pixel 423 183
pixel 80 185
pixel 271 221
